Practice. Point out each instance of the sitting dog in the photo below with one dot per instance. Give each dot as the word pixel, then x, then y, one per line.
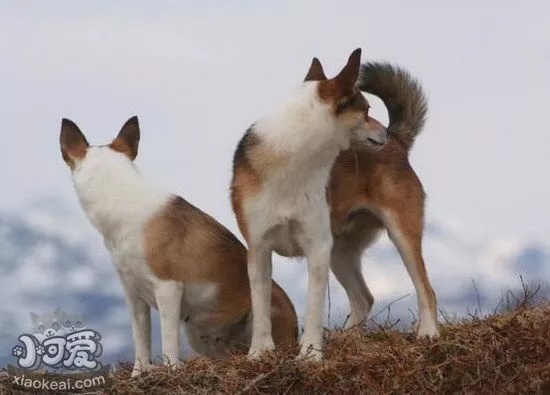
pixel 169 255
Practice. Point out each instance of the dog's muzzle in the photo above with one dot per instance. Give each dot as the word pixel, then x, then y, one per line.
pixel 380 139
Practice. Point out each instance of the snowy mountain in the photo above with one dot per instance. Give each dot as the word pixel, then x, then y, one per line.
pixel 52 257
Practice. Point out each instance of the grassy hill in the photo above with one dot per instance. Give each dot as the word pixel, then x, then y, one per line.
pixel 502 353
pixel 507 353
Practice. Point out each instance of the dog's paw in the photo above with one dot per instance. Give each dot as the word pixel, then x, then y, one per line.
pixel 171 361
pixel 257 350
pixel 139 369
pixel 310 354
pixel 429 330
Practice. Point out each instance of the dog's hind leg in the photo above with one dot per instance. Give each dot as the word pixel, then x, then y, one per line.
pixel 168 295
pixel 346 266
pixel 404 224
pixel 360 231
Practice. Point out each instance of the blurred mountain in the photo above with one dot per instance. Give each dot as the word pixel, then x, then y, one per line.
pixel 52 257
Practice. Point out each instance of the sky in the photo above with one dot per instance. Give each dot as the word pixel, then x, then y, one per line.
pixel 199 73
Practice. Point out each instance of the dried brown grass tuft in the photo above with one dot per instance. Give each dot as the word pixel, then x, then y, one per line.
pixel 507 353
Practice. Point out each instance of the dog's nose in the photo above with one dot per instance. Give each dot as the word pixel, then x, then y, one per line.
pixel 381 139
pixel 385 135
pixel 376 142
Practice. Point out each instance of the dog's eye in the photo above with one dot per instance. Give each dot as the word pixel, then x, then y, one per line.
pixel 348 102
pixel 344 105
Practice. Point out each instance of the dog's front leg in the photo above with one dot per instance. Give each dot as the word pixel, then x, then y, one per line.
pixel 318 253
pixel 169 298
pixel 259 274
pixel 318 270
pixel 141 330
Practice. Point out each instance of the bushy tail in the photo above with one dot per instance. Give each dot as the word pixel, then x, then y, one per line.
pixel 403 96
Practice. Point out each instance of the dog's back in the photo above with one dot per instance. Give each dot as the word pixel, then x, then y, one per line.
pixel 363 177
pixel 185 244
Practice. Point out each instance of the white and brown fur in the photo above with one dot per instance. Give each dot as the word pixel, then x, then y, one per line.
pixel 281 169
pixel 169 254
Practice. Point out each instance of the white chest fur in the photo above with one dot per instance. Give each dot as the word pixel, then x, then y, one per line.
pixel 308 139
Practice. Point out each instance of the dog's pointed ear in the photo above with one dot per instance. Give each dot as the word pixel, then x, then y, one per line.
pixel 315 72
pixel 72 141
pixel 127 141
pixel 347 77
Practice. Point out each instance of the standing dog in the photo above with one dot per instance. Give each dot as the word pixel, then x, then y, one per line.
pixel 169 254
pixel 370 190
pixel 281 168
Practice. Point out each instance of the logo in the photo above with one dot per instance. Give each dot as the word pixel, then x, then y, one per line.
pixel 59 341
pixel 60 353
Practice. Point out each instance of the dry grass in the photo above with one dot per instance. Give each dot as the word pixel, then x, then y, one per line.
pixel 500 354
pixel 503 354
pixel 507 353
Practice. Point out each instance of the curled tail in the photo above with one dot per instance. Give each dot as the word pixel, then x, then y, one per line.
pixel 403 96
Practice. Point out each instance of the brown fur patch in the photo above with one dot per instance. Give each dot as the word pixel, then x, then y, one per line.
pixel 355 102
pixel 184 244
pixel 341 88
pixel 245 184
pixel 367 182
pixel 284 323
pixel 122 147
pixel 363 178
pixel 374 124
pixel 248 163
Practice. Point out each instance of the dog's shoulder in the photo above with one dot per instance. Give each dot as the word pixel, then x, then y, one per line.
pixel 241 157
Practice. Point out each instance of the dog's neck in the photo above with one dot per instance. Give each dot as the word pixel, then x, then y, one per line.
pixel 303 126
pixel 114 195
